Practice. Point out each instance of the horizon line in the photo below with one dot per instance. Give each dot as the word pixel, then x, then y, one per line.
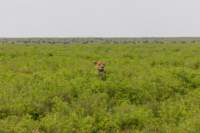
pixel 100 37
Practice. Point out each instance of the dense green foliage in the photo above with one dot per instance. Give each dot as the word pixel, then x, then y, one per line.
pixel 150 88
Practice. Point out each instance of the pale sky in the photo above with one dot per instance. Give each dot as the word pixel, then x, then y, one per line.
pixel 99 18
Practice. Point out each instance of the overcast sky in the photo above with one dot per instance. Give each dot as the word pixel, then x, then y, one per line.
pixel 99 18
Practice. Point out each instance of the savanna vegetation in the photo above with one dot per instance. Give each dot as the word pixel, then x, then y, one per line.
pixel 150 88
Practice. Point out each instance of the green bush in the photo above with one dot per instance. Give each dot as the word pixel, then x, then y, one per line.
pixel 56 89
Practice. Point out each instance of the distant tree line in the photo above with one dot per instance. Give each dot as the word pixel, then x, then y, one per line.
pixel 96 40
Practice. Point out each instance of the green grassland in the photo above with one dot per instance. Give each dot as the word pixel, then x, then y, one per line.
pixel 150 88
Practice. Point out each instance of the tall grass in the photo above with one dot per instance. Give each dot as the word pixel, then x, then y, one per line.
pixel 56 89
